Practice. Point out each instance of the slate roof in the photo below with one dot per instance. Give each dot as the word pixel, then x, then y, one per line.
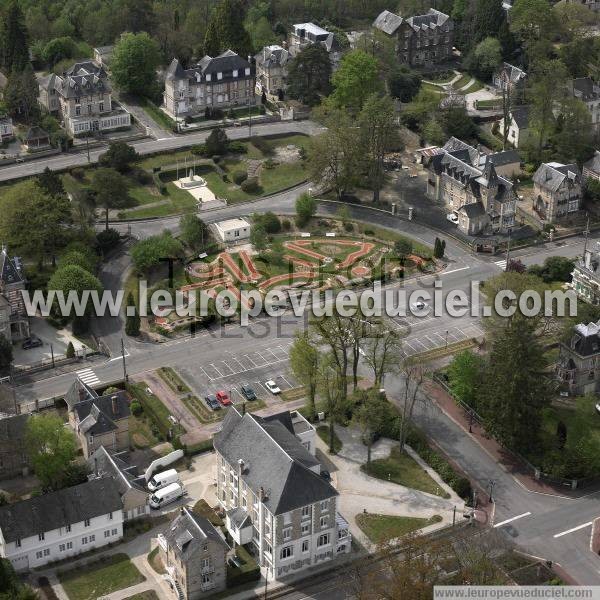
pixel 225 63
pixel 113 464
pixel 9 274
pixel 79 392
pixel 388 22
pixel 12 429
pixel 36 133
pixel 187 534
pixel 594 163
pixel 585 89
pixel 521 116
pixel 473 210
pixel 274 460
pixel 58 509
pixel 586 339
pixel 96 416
pixel 81 79
pixel 272 56
pixel 507 157
pixel 514 74
pixel 239 517
pixel 551 176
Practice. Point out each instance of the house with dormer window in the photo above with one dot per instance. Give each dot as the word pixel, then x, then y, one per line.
pixel 82 97
pixel 14 322
pixel 558 191
pixel 223 82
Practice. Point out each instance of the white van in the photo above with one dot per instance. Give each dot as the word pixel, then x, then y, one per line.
pixel 166 495
pixel 161 480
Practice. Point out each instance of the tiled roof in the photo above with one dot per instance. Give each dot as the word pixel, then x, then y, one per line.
pixel 551 176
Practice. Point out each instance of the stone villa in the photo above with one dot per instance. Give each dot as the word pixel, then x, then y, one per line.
pixel 271 71
pixel 558 191
pixel 14 322
pixel 578 367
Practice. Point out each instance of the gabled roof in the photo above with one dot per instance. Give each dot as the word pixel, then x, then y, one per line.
pixel 12 429
pixel 272 56
pixel 506 157
pixel 552 175
pixel 594 163
pixel 473 210
pixel 98 415
pixel 273 459
pixel 36 133
pixel 432 19
pixel 586 339
pixel 79 392
pixel 388 22
pixel 521 116
pixel 58 509
pixel 9 274
pixel 586 89
pixel 225 64
pixel 512 73
pixel 188 533
pixel 81 79
pixel 104 463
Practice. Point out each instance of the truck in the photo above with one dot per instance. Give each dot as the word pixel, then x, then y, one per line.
pixel 161 480
pixel 166 495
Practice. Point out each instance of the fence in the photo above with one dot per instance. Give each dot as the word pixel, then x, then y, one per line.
pixel 535 471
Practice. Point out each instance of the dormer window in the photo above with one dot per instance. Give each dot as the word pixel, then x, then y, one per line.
pixel 235 72
pixel 247 71
pixel 208 77
pixel 219 75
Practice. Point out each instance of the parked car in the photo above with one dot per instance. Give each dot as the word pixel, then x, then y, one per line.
pixel 166 495
pixel 248 392
pixel 272 387
pixel 223 398
pixel 212 402
pixel 419 306
pixel 32 342
pixel 161 480
pixel 452 217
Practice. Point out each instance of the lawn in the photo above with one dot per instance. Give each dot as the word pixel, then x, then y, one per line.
pixel 141 433
pixel 323 433
pixel 465 78
pixel 111 573
pixel 381 528
pixel 156 114
pixel 155 562
pixel 154 409
pixel 400 468
pixel 431 87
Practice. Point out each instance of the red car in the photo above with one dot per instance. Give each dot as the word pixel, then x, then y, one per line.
pixel 223 398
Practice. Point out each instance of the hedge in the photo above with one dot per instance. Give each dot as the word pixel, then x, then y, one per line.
pixel 199 448
pixel 153 407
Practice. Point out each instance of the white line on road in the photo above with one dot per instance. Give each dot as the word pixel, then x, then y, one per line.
pixel 512 519
pixel 573 529
pixel 454 271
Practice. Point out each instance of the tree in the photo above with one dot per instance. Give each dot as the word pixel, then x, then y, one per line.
pixel 111 190
pixel 403 83
pixel 433 133
pixel 226 30
pixel 51 183
pixel 58 49
pixel 334 156
pixel 134 62
pixel 533 23
pixel 132 321
pixel 217 142
pixel 119 156
pixel 194 231
pixel 457 123
pixel 554 269
pixel 14 40
pixel 82 259
pixel 575 140
pixel 356 79
pixel 372 414
pixel 487 19
pixel 258 236
pixel 561 435
pixel 330 386
pixel 306 208
pixel 149 253
pixel 464 376
pixel 403 248
pixel 485 58
pixel 514 390
pixel 379 136
pixel 262 34
pixel 6 354
pixel 413 374
pixel 70 352
pixel 304 363
pixel 20 95
pixel 382 352
pixel 309 75
pixel 439 248
pixel 73 278
pixel 51 447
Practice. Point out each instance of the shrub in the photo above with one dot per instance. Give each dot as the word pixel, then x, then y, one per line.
pixel 216 159
pixel 199 448
pixel 262 110
pixel 78 173
pixel 270 163
pixel 251 185
pixel 199 150
pixel 286 224
pixel 225 177
pixel 142 177
pixel 107 239
pixel 239 177
pixel 136 408
pixel 238 148
pixel 70 350
pixel 261 145
pixel 348 226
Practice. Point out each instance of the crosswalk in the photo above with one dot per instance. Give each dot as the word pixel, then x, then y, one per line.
pixel 501 264
pixel 88 377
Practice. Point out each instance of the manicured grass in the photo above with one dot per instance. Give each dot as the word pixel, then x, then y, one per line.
pixel 494 103
pixel 388 235
pixel 155 562
pixel 323 433
pixel 462 81
pixel 170 158
pixel 140 432
pixel 104 577
pixel 173 380
pixel 381 528
pixel 158 115
pixel 430 87
pixel 400 468
pixel 202 509
pixel 478 85
pixel 247 571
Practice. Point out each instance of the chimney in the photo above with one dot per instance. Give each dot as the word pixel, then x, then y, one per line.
pixel 261 493
pixel 115 409
pixel 95 466
pixel 81 393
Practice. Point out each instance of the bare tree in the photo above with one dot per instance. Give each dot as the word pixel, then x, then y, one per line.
pixel 331 390
pixel 383 352
pixel 413 374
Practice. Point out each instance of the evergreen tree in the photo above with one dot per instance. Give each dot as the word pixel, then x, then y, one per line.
pixel 14 40
pixel 20 95
pixel 309 75
pixel 487 19
pixel 132 321
pixel 226 30
pixel 51 183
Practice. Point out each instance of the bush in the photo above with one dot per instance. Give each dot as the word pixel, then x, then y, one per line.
pixel 70 350
pixel 238 148
pixel 136 408
pixel 269 163
pixel 225 177
pixel 216 159
pixel 107 239
pixel 239 177
pixel 261 145
pixel 251 185
pixel 348 226
pixel 199 448
pixel 286 224
pixel 199 150
pixel 78 173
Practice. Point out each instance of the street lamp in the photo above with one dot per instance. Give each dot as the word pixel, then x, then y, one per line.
pixel 471 415
pixel 492 484
pixel 446 339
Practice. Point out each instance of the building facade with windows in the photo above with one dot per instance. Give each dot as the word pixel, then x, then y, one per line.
pixel 14 322
pixel 194 555
pixel 558 191
pixel 224 82
pixel 7 131
pixel 271 71
pixel 82 97
pixel 422 40
pixel 61 524
pixel 308 34
pixel 588 91
pixel 270 485
pixel 578 367
pixel 14 458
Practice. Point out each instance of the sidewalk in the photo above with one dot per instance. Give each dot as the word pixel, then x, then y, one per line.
pixel 507 461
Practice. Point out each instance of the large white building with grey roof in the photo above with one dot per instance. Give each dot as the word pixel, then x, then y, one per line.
pixel 82 97
pixel 269 482
pixel 422 40
pixel 222 82
pixel 61 524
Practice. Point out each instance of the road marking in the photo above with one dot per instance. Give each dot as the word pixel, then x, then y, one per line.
pixel 501 264
pixel 454 271
pixel 573 529
pixel 88 377
pixel 215 368
pixel 512 519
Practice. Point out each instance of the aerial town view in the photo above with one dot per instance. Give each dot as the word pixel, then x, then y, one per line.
pixel 299 299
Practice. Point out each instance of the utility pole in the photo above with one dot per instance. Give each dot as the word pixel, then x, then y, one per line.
pixel 87 147
pixel 492 484
pixel 125 376
pixel 52 354
pixel 508 249
pixel 586 233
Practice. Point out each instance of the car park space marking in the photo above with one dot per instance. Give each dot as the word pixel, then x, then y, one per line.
pixel 432 341
pixel 248 357
pixel 215 368
pixel 88 376
pixel 265 361
pixel 242 367
pixel 224 367
pixel 573 529
pixel 284 379
pixel 507 521
pixel 204 371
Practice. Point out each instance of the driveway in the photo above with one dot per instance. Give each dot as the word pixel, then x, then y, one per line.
pixel 360 492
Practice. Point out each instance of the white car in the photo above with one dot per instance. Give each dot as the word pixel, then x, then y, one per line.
pixel 272 387
pixel 419 306
pixel 452 217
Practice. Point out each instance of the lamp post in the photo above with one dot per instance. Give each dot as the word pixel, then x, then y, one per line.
pixel 471 420
pixel 492 484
